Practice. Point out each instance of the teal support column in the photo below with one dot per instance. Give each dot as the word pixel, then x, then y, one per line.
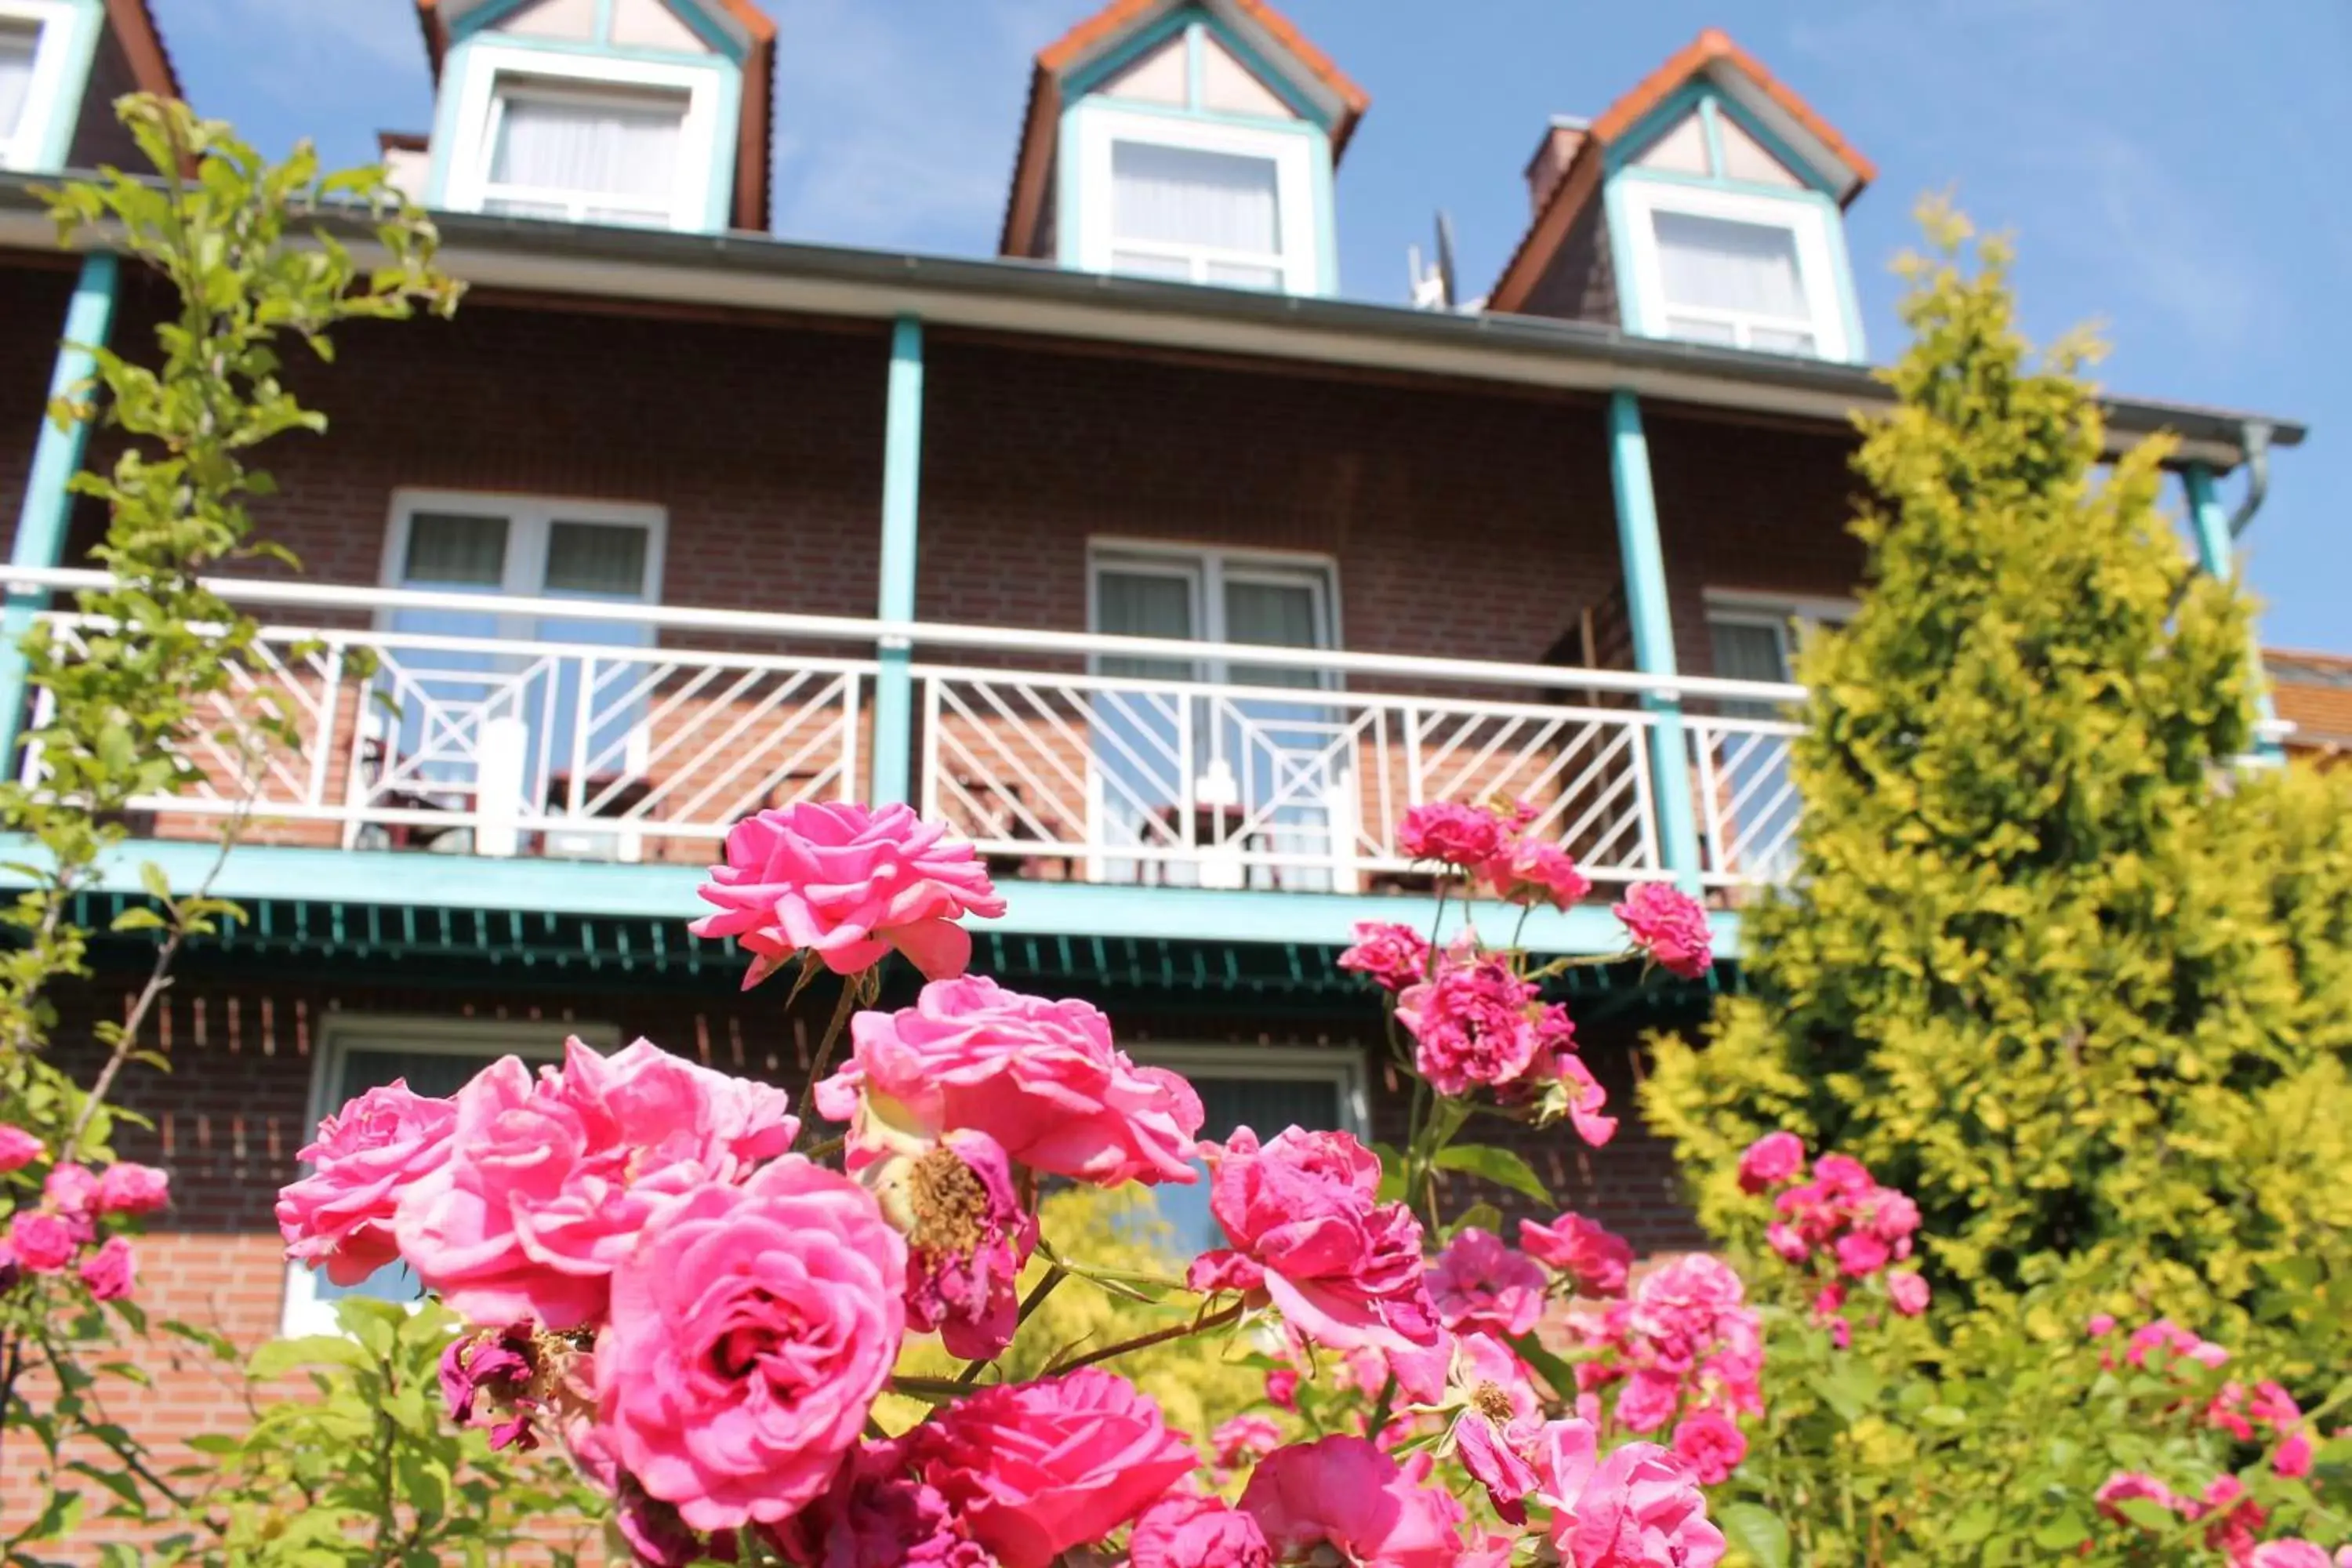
pixel 48 506
pixel 902 473
pixel 1653 634
pixel 2217 552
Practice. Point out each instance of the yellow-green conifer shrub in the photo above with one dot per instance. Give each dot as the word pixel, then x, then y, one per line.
pixel 2053 962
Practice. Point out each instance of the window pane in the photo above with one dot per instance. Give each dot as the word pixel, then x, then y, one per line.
pixel 1144 264
pixel 1281 613
pixel 1773 340
pixel 1144 604
pixel 451 550
pixel 1700 330
pixel 619 146
pixel 1184 195
pixel 1745 650
pixel 1234 276
pixel 1263 1105
pixel 18 46
pixel 1724 266
pixel 603 559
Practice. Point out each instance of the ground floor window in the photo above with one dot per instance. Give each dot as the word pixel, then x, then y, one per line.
pixel 432 1057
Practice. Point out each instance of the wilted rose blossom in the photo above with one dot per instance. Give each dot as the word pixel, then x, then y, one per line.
pixel 1710 1446
pixel 1669 925
pixel 752 1327
pixel 1243 1438
pixel 112 1272
pixel 1344 1269
pixel 848 883
pixel 18 1148
pixel 1463 836
pixel 127 1188
pixel 340 1216
pixel 1595 1260
pixel 494 1367
pixel 1344 1493
pixel 43 1242
pixel 1391 955
pixel 1470 1025
pixel 1636 1508
pixel 1908 1292
pixel 967 1237
pixel 1042 1078
pixel 1499 1414
pixel 877 1515
pixel 1479 1283
pixel 547 1186
pixel 1186 1531
pixel 1035 1469
pixel 1772 1158
pixel 1533 871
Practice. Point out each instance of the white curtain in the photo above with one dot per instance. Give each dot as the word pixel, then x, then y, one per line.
pixel 609 149
pixel 1184 195
pixel 1280 614
pixel 17 46
pixel 1715 264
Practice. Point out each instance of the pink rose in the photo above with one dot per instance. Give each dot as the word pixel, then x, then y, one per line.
pixel 112 1272
pixel 1035 1469
pixel 1464 835
pixel 967 1238
pixel 1639 1508
pixel 2124 1486
pixel 43 1242
pixel 1393 956
pixel 1669 925
pixel 1243 1438
pixel 339 1216
pixel 2295 1456
pixel 1861 1253
pixel 129 1188
pixel 1649 1400
pixel 18 1148
pixel 848 883
pixel 1041 1078
pixel 1487 1453
pixel 1479 1283
pixel 1343 1492
pixel 1908 1292
pixel 1788 1241
pixel 751 1328
pixel 1181 1531
pixel 1474 1025
pixel 1772 1158
pixel 876 1515
pixel 1500 1416
pixel 1281 1388
pixel 2164 1339
pixel 546 1186
pixel 2100 1326
pixel 2287 1552
pixel 72 1191
pixel 1710 1446
pixel 1344 1269
pixel 1530 872
pixel 1596 1261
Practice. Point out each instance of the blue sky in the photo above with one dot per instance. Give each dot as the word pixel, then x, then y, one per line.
pixel 2172 170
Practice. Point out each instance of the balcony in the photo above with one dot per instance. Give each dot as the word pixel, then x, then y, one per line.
pixel 625 739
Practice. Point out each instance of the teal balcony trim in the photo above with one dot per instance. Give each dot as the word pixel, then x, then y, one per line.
pixel 902 473
pixel 2208 520
pixel 1654 632
pixel 264 871
pixel 48 507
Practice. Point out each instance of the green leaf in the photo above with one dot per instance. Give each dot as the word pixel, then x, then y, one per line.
pixel 1499 1167
pixel 280 1357
pixel 1973 1523
pixel 2064 1533
pixel 1478 1216
pixel 1554 1370
pixel 1757 1532
pixel 1849 1389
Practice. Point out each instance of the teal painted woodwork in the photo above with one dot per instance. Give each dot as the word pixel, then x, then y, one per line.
pixel 1653 631
pixel 57 458
pixel 902 477
pixel 80 26
pixel 2209 520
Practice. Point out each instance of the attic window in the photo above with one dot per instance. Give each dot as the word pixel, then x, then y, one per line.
pixel 1751 272
pixel 1195 202
pixel 594 155
pixel 22 88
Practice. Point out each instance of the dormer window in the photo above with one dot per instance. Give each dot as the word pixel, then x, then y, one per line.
pixel 595 156
pixel 33 44
pixel 1208 207
pixel 588 140
pixel 20 46
pixel 1712 267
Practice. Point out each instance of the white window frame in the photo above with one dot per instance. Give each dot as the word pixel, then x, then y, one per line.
pixel 529 520
pixel 491 70
pixel 1100 125
pixel 535 1041
pixel 51 23
pixel 1208 568
pixel 1793 618
pixel 1641 200
pixel 1342 1067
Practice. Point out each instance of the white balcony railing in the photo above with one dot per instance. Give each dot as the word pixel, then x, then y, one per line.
pixel 631 732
